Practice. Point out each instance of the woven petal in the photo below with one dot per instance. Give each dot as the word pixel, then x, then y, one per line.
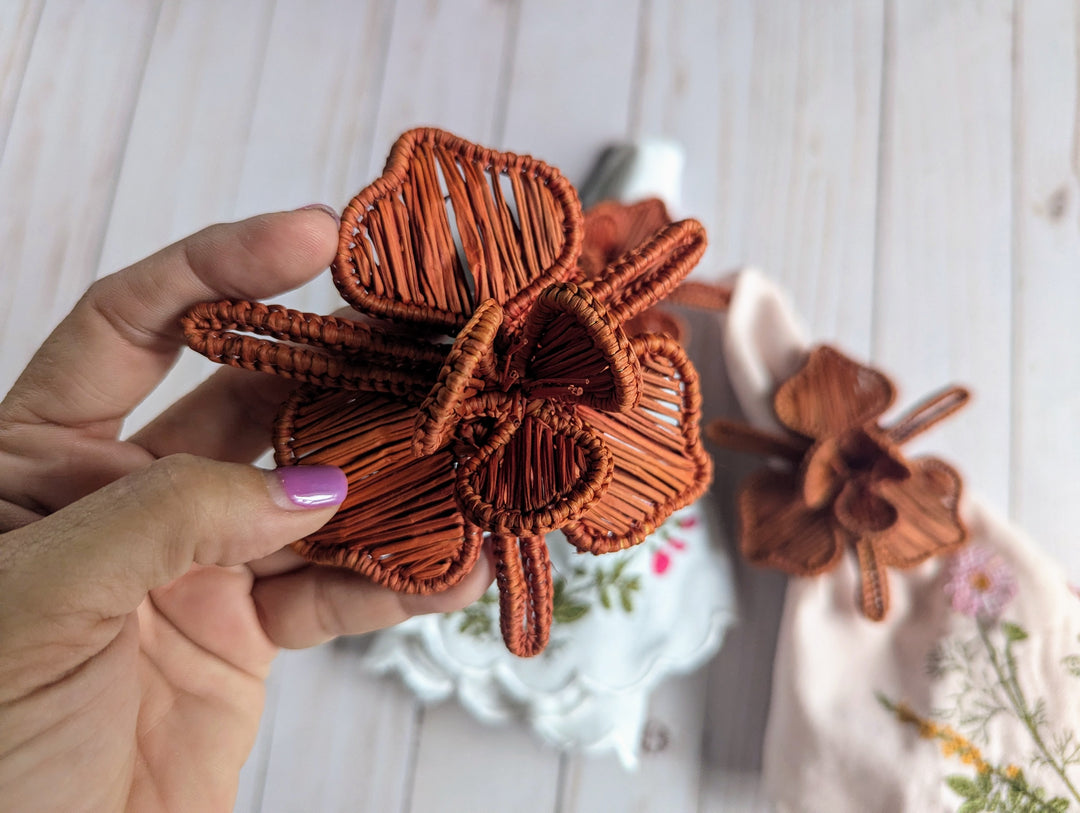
pixel 862 512
pixel 927 505
pixel 523 575
pixel 572 350
pixel 660 465
pixel 437 233
pixel 326 350
pixel 831 394
pixel 439 413
pixel 533 474
pixel 648 274
pixel 612 229
pixel 780 531
pixel 659 320
pixel 399 524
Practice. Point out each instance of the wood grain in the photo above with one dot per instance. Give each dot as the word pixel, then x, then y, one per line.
pixel 1046 287
pixel 572 62
pixel 20 22
pixel 799 142
pixel 942 307
pixel 341 740
pixel 200 77
pixel 62 155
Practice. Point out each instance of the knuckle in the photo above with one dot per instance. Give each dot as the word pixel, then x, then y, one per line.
pixel 183 487
pixel 328 611
pixel 177 473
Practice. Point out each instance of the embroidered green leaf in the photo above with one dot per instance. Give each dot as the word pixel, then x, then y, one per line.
pixel 985 782
pixel 605 598
pixel 567 612
pixel 1058 804
pixel 626 599
pixel 1072 665
pixel 475 621
pixel 962 786
pixel 971 806
pixel 1013 632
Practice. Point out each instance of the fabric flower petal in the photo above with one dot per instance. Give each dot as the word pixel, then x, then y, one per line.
pixel 399 524
pixel 660 465
pixel 831 394
pixel 436 233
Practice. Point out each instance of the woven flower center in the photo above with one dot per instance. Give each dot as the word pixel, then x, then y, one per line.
pixel 859 453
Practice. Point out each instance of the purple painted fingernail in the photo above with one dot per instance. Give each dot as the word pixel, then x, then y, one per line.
pixel 313 486
pixel 322 207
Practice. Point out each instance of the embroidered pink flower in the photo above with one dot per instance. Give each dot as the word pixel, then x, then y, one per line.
pixel 981 583
pixel 671 545
pixel 661 562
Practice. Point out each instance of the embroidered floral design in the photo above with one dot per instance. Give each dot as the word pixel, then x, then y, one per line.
pixel 991 686
pixel 574 596
pixel 980 584
pixel 667 546
pixel 994 787
pixel 844 481
pixel 496 389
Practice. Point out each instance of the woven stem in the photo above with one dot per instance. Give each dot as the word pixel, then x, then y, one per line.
pixel 523 574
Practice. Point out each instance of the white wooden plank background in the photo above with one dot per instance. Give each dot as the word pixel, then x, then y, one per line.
pixel 909 169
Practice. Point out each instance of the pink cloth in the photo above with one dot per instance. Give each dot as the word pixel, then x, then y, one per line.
pixel 830 743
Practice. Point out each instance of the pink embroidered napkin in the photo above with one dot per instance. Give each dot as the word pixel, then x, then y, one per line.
pixel 964 697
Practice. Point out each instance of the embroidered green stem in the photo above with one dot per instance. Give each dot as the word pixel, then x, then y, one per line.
pixel 1007 675
pixel 977 792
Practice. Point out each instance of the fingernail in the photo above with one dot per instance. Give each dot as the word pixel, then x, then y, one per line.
pixel 322 207
pixel 313 486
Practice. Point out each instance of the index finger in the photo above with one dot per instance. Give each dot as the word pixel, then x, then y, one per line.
pixel 124 334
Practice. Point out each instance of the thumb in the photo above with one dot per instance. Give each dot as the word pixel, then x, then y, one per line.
pixel 103 553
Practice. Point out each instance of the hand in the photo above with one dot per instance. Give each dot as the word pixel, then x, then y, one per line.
pixel 144 589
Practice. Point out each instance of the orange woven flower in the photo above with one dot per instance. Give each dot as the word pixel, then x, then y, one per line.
pixel 846 482
pixel 508 400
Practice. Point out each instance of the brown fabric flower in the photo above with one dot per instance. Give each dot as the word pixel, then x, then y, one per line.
pixel 845 481
pixel 508 400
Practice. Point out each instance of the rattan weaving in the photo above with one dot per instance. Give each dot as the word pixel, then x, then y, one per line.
pixel 496 391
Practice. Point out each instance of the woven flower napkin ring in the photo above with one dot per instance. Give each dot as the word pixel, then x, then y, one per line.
pixel 842 479
pixel 494 388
